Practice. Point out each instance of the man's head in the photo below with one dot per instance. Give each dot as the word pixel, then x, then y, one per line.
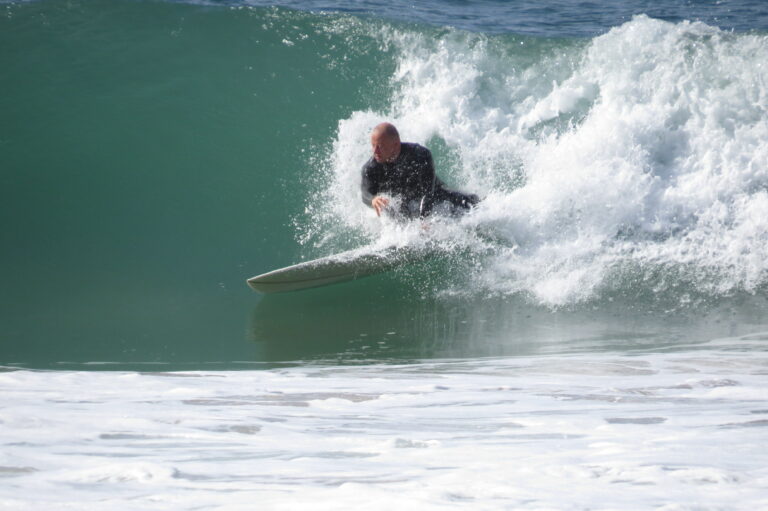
pixel 385 141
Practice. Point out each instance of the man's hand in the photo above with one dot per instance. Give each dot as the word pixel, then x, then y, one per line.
pixel 378 203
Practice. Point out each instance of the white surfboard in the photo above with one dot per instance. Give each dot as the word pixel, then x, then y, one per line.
pixel 342 267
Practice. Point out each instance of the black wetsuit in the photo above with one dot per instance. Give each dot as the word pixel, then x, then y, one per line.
pixel 412 178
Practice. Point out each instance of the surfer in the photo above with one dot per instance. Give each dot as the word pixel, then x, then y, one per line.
pixel 406 171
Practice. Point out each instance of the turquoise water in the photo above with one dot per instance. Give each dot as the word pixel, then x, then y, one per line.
pixel 154 155
pixel 149 167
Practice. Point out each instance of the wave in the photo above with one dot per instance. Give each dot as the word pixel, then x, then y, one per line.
pixel 634 163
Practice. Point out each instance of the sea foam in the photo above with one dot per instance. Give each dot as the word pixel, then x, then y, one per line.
pixel 643 430
pixel 634 163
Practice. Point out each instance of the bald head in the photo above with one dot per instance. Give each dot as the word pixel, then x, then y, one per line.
pixel 386 129
pixel 385 141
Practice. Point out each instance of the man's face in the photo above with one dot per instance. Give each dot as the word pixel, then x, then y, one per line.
pixel 385 149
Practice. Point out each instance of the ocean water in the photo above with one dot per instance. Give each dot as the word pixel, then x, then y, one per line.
pixel 592 336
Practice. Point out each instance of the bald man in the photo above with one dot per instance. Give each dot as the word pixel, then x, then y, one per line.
pixel 405 170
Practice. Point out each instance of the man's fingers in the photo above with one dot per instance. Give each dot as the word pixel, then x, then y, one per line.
pixel 378 204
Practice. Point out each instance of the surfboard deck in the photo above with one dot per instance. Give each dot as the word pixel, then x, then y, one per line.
pixel 333 269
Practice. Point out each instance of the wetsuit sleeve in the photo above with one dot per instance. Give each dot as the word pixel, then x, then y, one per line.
pixel 426 184
pixel 367 186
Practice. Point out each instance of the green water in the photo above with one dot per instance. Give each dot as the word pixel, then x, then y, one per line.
pixel 151 158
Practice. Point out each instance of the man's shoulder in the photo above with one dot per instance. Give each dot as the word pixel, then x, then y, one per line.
pixel 413 147
pixel 415 152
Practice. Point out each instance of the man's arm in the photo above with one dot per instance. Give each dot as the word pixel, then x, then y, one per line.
pixel 367 188
pixel 427 179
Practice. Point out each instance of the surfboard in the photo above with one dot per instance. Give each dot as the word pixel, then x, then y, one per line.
pixel 333 269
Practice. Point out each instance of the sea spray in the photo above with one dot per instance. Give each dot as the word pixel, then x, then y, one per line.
pixel 639 157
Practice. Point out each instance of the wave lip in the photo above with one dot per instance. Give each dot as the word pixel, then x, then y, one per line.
pixel 549 18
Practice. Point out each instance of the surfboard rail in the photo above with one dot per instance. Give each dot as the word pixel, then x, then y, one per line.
pixel 337 268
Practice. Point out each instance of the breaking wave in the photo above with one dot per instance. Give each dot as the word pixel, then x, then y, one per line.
pixel 634 163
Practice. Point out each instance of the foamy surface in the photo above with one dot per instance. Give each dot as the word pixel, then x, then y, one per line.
pixel 683 429
pixel 635 160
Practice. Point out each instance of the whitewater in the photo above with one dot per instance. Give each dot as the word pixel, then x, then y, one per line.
pixel 676 430
pixel 637 162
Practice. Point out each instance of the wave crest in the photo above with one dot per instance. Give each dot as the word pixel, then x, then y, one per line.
pixel 634 162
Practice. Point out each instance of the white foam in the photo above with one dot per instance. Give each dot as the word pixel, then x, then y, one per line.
pixel 644 151
pixel 685 430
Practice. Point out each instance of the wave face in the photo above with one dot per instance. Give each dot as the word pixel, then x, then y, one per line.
pixel 634 163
